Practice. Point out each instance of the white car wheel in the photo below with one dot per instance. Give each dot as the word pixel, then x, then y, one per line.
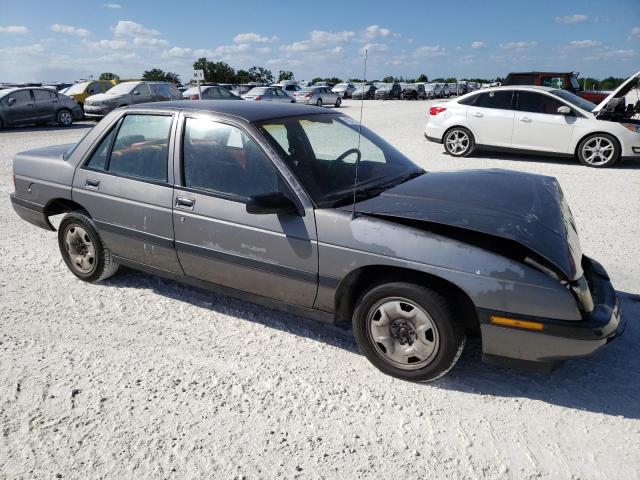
pixel 459 142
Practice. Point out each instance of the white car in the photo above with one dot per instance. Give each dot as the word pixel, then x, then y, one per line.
pixel 540 120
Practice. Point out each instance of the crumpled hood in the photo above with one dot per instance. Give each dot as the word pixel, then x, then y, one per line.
pixel 101 97
pixel 526 208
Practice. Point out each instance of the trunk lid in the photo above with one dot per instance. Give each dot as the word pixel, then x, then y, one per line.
pixel 528 209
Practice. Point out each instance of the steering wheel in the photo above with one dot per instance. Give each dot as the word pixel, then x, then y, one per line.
pixel 334 178
pixel 349 152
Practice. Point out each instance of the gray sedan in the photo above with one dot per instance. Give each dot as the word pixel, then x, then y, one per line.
pixel 318 96
pixel 23 106
pixel 267 94
pixel 258 201
pixel 129 93
pixel 210 92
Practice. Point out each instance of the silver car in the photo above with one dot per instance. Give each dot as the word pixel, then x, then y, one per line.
pixel 258 201
pixel 318 96
pixel 129 93
pixel 345 90
pixel 267 94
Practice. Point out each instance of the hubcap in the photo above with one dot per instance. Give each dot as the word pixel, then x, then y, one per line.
pixel 457 142
pixel 403 333
pixel 80 248
pixel 65 118
pixel 597 151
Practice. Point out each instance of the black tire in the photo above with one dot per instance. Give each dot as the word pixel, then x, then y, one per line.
pixel 64 117
pixel 319 102
pixel 449 333
pixel 599 161
pixel 463 149
pixel 103 266
pixel 338 102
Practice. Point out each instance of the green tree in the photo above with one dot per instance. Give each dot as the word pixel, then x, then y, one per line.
pixel 242 76
pixel 219 72
pixel 108 76
pixel 422 78
pixel 388 79
pixel 260 75
pixel 160 75
pixel 285 75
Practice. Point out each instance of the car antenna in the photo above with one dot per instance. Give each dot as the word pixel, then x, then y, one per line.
pixel 355 182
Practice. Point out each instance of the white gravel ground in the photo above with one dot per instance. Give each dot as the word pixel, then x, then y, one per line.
pixel 140 377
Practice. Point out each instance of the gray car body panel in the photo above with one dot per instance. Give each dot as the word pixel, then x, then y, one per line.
pixel 302 260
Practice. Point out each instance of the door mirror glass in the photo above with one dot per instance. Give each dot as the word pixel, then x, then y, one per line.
pixel 11 101
pixel 564 110
pixel 271 203
pixel 136 92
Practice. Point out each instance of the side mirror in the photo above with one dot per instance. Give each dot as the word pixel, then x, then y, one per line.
pixel 11 101
pixel 564 110
pixel 136 92
pixel 91 91
pixel 271 203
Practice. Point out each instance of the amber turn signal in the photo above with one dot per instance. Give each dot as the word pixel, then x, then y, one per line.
pixel 512 322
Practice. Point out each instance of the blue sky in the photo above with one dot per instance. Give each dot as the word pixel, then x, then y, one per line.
pixel 64 40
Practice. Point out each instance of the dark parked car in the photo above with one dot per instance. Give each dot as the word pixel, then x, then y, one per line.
pixel 23 106
pixel 256 200
pixel 388 91
pixel 563 81
pixel 368 91
pixel 210 93
pixel 129 93
pixel 413 91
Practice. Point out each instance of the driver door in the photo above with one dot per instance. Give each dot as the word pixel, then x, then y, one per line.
pixel 274 255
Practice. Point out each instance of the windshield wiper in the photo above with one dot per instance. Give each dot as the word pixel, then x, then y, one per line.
pixel 375 190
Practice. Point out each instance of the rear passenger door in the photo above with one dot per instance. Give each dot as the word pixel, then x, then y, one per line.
pixel 126 186
pixel 46 104
pixel 490 117
pixel 274 256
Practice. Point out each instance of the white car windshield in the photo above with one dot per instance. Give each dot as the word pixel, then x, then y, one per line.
pixel 122 88
pixel 575 100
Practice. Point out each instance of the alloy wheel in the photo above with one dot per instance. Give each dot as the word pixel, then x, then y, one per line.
pixel 598 151
pixel 65 118
pixel 457 142
pixel 403 333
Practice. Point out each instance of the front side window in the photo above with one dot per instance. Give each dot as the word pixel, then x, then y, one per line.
pixel 138 147
pixel 223 159
pixel 142 89
pixel 22 97
pixel 321 150
pixel 537 103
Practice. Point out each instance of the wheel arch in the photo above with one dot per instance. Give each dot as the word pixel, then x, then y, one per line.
pixel 457 125
pixel 58 206
pixel 596 132
pixel 357 282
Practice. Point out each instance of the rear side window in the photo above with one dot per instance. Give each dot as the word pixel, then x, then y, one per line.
pixel 538 103
pixel 500 100
pixel 43 95
pixel 137 148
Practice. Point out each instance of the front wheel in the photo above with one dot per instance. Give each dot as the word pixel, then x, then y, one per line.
pixel 64 118
pixel 599 150
pixel 82 248
pixel 459 142
pixel 408 331
pixel 338 102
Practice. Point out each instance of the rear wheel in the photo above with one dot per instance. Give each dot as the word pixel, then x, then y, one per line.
pixel 82 248
pixel 338 102
pixel 408 331
pixel 319 102
pixel 459 142
pixel 64 118
pixel 599 150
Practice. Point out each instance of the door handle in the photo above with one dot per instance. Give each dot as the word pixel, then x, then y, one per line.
pixel 92 183
pixel 525 119
pixel 477 114
pixel 185 203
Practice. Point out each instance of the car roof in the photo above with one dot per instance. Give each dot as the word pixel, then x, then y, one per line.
pixel 517 87
pixel 249 111
pixel 540 73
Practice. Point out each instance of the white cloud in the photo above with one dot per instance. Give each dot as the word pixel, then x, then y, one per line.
pixel 111 44
pixel 69 30
pixel 518 46
pixel 374 47
pixel 430 51
pixel 374 31
pixel 477 45
pixel 112 6
pixel 252 37
pixel 584 44
pixel 177 52
pixel 635 33
pixel 150 42
pixel 320 36
pixel 570 19
pixel 127 28
pixel 14 29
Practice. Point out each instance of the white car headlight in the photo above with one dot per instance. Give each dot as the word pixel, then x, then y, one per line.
pixel 632 126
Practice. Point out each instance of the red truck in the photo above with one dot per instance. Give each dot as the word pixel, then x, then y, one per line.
pixel 564 81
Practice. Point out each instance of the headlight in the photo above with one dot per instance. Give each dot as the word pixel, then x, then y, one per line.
pixel 632 126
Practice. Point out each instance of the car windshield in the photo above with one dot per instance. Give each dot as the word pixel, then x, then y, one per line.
pixel 257 91
pixel 122 88
pixel 6 91
pixel 575 100
pixel 321 150
pixel 77 88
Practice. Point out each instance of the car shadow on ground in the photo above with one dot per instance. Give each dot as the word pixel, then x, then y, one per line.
pixel 49 127
pixel 607 383
pixel 629 164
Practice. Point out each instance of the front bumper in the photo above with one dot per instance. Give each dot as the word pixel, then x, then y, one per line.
pixel 31 212
pixel 557 340
pixel 97 110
